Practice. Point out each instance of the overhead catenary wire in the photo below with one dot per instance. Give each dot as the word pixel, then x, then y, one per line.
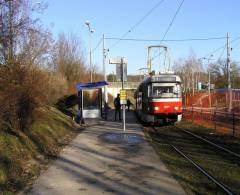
pixel 98 44
pixel 174 17
pixel 166 40
pixel 224 48
pixel 219 48
pixel 170 25
pixel 137 23
pixel 236 45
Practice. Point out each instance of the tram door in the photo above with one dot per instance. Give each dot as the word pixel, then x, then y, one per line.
pixel 92 103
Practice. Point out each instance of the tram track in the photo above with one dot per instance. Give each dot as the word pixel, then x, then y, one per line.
pixel 224 188
pixel 203 171
pixel 209 142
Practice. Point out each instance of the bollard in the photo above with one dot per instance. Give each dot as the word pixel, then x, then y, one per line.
pixel 201 116
pixel 215 121
pixel 233 124
pixel 192 114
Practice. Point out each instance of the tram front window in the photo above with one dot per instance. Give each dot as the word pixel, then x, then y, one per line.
pixel 165 91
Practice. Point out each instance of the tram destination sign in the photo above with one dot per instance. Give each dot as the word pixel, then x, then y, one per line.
pixel 164 79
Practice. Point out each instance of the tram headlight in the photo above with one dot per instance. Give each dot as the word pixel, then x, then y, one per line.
pixel 156 108
pixel 176 107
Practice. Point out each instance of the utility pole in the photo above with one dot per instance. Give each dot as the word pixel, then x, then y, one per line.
pixel 104 70
pixel 149 63
pixel 209 88
pixel 229 76
pixel 193 81
pixel 209 79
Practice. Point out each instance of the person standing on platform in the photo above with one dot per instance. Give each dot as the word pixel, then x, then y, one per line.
pixel 106 110
pixel 128 104
pixel 117 106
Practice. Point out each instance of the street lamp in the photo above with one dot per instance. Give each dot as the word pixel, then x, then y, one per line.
pixel 39 7
pixel 90 47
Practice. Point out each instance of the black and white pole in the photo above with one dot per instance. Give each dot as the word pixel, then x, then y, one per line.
pixel 123 105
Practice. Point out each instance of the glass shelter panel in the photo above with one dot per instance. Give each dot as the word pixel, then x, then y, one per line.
pixel 91 99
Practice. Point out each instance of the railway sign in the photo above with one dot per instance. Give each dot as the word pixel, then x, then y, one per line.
pixel 121 68
pixel 121 71
pixel 123 96
pixel 118 60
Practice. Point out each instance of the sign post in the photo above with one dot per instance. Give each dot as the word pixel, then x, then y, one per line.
pixel 123 101
pixel 121 72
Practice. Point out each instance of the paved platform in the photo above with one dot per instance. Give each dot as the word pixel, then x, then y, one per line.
pixel 91 164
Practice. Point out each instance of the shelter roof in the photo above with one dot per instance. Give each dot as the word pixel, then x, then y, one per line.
pixel 93 85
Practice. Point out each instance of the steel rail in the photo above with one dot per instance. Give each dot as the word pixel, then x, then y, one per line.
pixel 218 183
pixel 209 142
pixel 201 169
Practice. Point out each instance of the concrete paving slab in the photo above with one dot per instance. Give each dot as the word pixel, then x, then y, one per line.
pixel 91 164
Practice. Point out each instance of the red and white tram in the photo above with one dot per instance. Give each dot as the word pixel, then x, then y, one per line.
pixel 159 100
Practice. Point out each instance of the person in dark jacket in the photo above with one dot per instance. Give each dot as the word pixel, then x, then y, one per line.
pixel 117 106
pixel 106 110
pixel 129 103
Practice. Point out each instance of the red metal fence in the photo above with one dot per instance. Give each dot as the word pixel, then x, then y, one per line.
pixel 222 122
pixel 212 111
pixel 218 99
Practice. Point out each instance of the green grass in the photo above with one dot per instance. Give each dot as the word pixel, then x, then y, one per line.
pixel 219 164
pixel 23 156
pixel 228 141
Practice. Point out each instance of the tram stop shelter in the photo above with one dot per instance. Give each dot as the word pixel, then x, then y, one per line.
pixel 90 102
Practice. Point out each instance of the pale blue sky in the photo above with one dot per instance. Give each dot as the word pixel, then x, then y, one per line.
pixel 196 19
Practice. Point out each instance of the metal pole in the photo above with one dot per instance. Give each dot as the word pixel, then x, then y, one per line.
pixel 233 124
pixel 215 125
pixel 192 113
pixel 104 71
pixel 82 103
pixel 228 75
pixel 209 81
pixel 90 53
pixel 209 88
pixel 149 61
pixel 124 116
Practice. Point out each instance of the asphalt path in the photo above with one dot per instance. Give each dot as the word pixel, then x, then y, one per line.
pixel 101 160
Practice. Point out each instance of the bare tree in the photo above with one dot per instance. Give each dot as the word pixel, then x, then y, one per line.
pixel 68 58
pixel 24 84
pixel 219 74
pixel 191 72
pixel 35 48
